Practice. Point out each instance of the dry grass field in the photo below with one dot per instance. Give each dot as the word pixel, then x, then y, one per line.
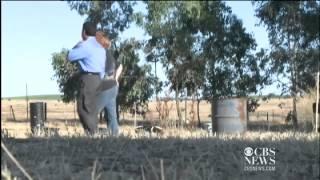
pixel 185 153
pixel 64 117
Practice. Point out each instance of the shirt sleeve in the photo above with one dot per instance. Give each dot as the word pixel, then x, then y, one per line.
pixel 77 53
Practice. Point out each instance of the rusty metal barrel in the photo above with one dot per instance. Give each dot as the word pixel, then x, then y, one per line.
pixel 37 116
pixel 229 115
pixel 314 108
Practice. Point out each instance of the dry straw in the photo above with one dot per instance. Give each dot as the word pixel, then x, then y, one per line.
pixel 15 161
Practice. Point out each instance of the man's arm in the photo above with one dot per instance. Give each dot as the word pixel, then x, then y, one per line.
pixel 77 52
pixel 77 44
pixel 118 72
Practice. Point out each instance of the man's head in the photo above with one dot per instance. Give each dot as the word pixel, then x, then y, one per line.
pixel 88 29
pixel 103 39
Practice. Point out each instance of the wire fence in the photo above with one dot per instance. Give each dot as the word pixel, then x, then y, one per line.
pixel 16 110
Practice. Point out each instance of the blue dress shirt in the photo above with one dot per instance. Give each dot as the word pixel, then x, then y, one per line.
pixel 90 55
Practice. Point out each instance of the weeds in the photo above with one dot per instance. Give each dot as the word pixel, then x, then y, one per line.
pixel 193 157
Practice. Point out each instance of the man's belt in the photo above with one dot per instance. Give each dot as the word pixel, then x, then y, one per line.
pixel 90 73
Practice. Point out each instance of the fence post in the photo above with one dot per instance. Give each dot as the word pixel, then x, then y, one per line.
pixel 45 111
pixel 317 100
pixel 27 102
pixel 100 116
pixel 12 111
pixel 74 110
pixel 185 109
pixel 268 121
pixel 135 115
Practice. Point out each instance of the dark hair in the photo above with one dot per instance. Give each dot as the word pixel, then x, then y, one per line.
pixel 89 28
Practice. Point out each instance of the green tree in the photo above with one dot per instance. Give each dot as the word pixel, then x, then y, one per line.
pixel 232 69
pixel 293 29
pixel 204 47
pixel 172 44
pixel 66 75
pixel 112 16
pixel 136 80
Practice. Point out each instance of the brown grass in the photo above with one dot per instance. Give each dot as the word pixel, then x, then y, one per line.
pixel 304 106
pixel 63 117
pixel 215 157
pixel 185 154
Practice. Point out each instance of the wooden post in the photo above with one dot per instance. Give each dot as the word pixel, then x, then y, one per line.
pixel 317 103
pixel 27 102
pixel 100 117
pixel 175 120
pixel 185 107
pixel 135 115
pixel 12 111
pixel 45 111
pixel 268 121
pixel 74 110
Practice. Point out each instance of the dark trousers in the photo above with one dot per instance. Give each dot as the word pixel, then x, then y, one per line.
pixel 86 103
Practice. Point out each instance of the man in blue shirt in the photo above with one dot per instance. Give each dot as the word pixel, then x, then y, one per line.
pixel 91 57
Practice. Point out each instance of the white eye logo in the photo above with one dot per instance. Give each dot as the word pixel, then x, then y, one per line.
pixel 248 151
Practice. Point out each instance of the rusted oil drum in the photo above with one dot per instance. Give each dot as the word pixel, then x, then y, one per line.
pixel 229 115
pixel 37 116
pixel 314 108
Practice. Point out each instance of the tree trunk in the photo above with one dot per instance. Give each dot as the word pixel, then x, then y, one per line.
pixel 294 82
pixel 294 92
pixel 186 108
pixel 159 109
pixel 155 72
pixel 294 113
pixel 192 110
pixel 198 113
pixel 295 85
pixel 177 106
